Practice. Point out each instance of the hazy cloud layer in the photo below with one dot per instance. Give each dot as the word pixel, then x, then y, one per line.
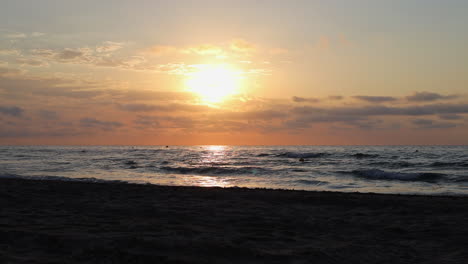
pixel 95 123
pixel 375 99
pixel 142 111
pixel 431 124
pixel 163 108
pixel 298 99
pixel 11 111
pixel 429 97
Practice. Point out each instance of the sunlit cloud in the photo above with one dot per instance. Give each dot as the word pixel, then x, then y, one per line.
pixel 159 50
pixel 298 99
pixel 8 52
pixel 31 62
pixel 241 45
pixel 16 35
pixel 6 71
pixel 37 34
pixel 205 49
pixel 109 46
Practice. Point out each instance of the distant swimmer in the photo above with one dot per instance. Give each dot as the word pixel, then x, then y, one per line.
pixel 167 146
pixel 301 159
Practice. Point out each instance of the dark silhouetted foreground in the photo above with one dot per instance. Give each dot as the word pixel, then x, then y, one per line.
pixel 75 222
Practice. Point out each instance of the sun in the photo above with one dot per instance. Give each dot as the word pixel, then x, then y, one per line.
pixel 213 83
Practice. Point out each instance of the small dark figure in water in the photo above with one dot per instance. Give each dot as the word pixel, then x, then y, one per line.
pixel 302 160
pixel 167 146
pixel 130 162
pixel 416 151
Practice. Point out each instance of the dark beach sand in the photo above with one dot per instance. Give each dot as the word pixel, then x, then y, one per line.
pixel 76 222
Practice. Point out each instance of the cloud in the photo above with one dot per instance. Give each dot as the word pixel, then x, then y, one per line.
pixel 366 124
pixel 69 54
pixel 150 95
pixel 9 72
pixel 80 55
pixel 335 97
pixel 95 123
pixel 431 109
pixel 241 45
pixel 109 46
pixel 16 35
pixel 375 99
pixel 20 35
pixel 236 45
pixel 164 122
pixel 428 97
pixel 163 108
pixel 8 52
pixel 450 117
pixel 37 34
pixel 48 115
pixel 101 56
pixel 305 100
pixel 302 117
pixel 24 87
pixel 43 52
pixel 31 133
pixel 431 124
pixel 205 49
pixel 11 111
pixel 31 62
pixel 254 115
pixel 160 50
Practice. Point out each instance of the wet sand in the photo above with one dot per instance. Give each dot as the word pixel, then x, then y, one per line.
pixel 77 222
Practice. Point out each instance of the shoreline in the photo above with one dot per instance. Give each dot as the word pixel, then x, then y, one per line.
pixel 116 222
pixel 102 181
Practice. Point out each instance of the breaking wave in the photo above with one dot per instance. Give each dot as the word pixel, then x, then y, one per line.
pixel 55 178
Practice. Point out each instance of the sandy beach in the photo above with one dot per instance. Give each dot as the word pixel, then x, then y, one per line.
pixel 78 222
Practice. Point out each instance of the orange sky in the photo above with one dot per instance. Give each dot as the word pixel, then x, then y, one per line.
pixel 165 73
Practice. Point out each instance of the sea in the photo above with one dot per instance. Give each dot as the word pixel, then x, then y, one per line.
pixel 429 170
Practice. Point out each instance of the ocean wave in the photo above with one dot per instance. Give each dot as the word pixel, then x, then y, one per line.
pixel 376 174
pixel 9 176
pixel 364 155
pixel 213 170
pixel 400 164
pixel 311 182
pixel 298 155
pixel 54 178
pixel 461 179
pixel 450 164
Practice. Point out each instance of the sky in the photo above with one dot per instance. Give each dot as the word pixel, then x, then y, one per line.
pixel 299 72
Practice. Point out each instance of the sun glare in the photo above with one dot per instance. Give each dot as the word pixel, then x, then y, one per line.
pixel 213 83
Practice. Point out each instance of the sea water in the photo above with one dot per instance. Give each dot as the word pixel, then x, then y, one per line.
pixel 436 170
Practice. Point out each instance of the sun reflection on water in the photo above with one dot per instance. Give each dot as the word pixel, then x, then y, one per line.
pixel 206 181
pixel 214 155
pixel 216 148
